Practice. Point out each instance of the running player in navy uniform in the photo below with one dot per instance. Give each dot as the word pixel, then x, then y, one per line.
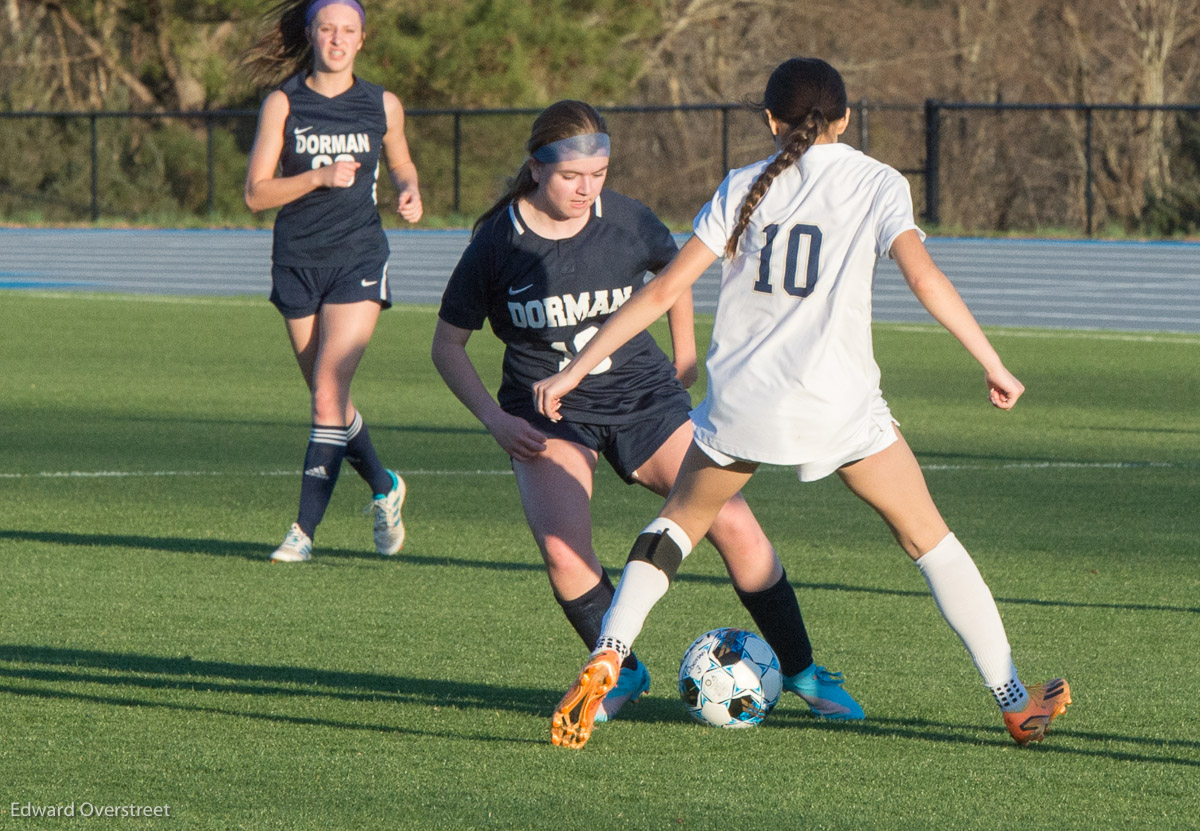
pixel 546 265
pixel 793 379
pixel 316 158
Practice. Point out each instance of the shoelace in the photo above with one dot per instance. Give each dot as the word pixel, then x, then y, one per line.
pixel 384 518
pixel 826 677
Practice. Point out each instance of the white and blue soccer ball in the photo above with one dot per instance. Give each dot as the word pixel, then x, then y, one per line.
pixel 730 678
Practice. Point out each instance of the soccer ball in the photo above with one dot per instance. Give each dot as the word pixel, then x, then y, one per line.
pixel 729 678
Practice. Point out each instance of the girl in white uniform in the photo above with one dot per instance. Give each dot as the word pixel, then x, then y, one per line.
pixel 792 378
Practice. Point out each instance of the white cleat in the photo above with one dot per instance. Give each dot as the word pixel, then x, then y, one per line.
pixel 296 547
pixel 389 528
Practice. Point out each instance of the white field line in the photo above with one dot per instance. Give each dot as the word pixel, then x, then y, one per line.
pixel 140 474
pixel 1001 331
pixel 185 300
pixel 409 307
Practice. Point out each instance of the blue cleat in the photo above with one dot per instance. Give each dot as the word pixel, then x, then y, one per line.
pixel 822 692
pixel 631 683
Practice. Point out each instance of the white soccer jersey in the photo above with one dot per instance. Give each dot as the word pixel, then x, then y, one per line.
pixel 791 370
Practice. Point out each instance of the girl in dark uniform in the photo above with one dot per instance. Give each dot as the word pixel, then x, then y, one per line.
pixel 546 266
pixel 316 157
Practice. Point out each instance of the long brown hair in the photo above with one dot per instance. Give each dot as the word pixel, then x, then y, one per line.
pixel 806 95
pixel 283 48
pixel 561 120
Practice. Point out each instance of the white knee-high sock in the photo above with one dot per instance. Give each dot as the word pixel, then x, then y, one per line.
pixel 967 604
pixel 642 585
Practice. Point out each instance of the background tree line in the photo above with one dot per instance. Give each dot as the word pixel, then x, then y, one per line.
pixel 1018 170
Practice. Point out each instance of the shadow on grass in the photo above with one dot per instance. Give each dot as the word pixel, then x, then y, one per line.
pixel 66 668
pixel 259 552
pixel 174 545
pixel 303 721
pixel 792 714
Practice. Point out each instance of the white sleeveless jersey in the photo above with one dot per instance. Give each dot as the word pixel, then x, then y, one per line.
pixel 791 370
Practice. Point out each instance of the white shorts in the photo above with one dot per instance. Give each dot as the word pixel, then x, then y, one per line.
pixel 877 434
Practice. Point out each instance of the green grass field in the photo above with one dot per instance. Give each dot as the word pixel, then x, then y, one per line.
pixel 149 655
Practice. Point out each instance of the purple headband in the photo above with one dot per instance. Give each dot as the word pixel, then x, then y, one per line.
pixel 317 5
pixel 586 146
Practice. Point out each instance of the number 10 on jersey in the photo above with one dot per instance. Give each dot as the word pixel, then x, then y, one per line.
pixel 801 261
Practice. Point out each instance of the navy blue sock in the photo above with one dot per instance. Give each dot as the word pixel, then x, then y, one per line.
pixel 322 462
pixel 360 453
pixel 586 614
pixel 776 612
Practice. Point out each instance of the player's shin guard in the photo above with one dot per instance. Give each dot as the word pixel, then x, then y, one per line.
pixel 653 560
pixel 361 455
pixel 967 604
pixel 586 612
pixel 322 462
pixel 776 613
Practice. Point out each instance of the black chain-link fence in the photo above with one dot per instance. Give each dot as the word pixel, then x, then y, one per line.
pixel 973 167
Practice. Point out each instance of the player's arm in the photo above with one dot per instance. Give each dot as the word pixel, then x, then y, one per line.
pixel 399 161
pixel 264 189
pixel 645 307
pixel 939 297
pixel 681 320
pixel 515 435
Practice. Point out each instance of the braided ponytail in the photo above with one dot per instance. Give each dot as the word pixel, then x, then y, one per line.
pixel 795 142
pixel 805 95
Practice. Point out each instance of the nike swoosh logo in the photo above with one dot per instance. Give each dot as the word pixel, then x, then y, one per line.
pixel 511 290
pixel 298 131
pixel 366 284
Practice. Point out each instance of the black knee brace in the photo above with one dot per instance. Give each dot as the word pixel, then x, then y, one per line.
pixel 659 550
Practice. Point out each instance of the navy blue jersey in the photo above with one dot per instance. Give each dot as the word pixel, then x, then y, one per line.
pixel 546 299
pixel 331 226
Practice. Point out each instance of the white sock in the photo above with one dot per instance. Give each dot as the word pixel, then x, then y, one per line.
pixel 967 604
pixel 642 585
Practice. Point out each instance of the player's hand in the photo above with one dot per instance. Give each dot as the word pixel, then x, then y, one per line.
pixel 687 373
pixel 517 437
pixel 409 205
pixel 548 394
pixel 1003 388
pixel 339 174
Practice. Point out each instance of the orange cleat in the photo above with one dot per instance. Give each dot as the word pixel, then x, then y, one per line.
pixel 572 723
pixel 1046 703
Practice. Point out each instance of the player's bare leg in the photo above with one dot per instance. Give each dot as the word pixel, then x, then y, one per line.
pixel 556 491
pixel 328 347
pixel 734 532
pixel 891 482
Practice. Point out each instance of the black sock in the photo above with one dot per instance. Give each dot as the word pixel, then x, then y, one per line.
pixel 586 614
pixel 322 461
pixel 360 453
pixel 776 612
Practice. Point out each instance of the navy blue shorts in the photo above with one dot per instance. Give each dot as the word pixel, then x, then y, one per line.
pixel 625 446
pixel 300 292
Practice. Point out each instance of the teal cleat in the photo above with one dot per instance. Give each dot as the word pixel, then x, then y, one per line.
pixel 822 692
pixel 631 683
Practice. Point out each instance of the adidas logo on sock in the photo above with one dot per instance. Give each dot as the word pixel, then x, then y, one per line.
pixel 317 472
